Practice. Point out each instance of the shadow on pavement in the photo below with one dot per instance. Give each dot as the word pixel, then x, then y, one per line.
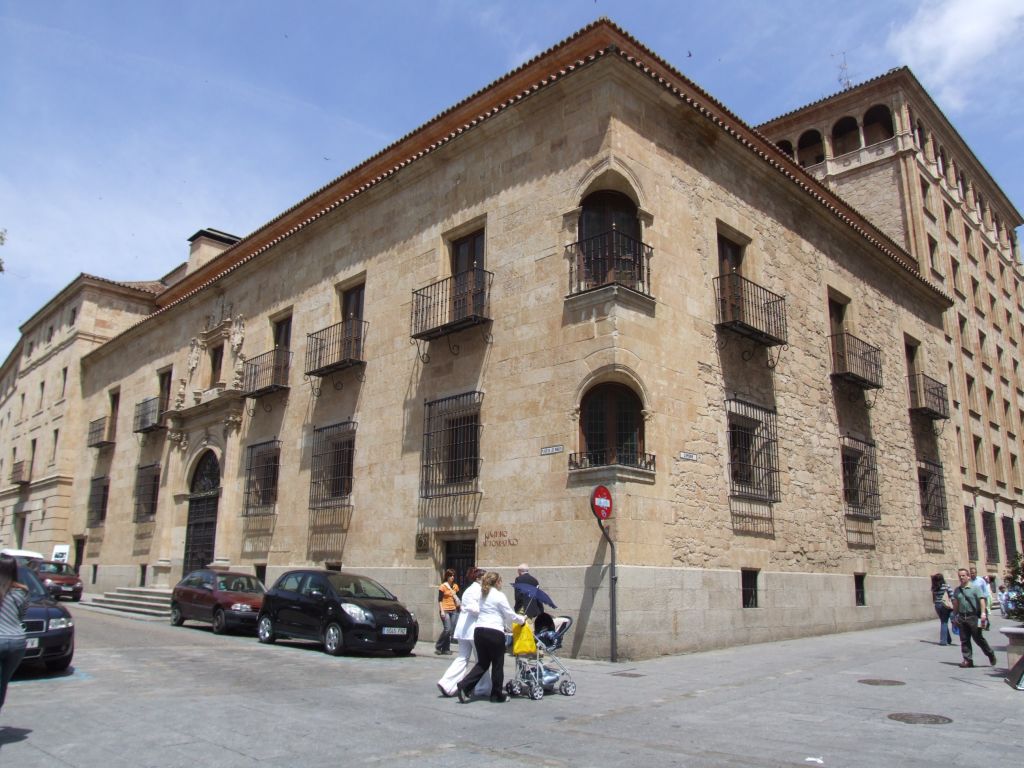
pixel 10 735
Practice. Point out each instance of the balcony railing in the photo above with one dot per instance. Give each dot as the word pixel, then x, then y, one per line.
pixel 750 310
pixel 266 373
pixel 149 414
pixel 336 347
pixel 928 397
pixel 611 258
pixel 856 361
pixel 452 304
pixel 609 458
pixel 932 487
pixel 19 473
pixel 99 435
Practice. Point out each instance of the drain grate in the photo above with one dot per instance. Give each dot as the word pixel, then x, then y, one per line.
pixel 876 681
pixel 919 718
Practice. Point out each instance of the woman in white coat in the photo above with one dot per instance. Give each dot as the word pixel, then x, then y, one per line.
pixel 466 658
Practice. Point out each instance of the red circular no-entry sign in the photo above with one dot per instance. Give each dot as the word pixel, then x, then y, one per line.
pixel 601 503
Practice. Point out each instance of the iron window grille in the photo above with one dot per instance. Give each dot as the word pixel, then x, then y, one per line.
pixel 96 510
pixel 451 446
pixel 988 531
pixel 932 488
pixel 860 478
pixel 972 534
pixel 147 490
pixel 751 310
pixel 261 470
pixel 149 414
pixel 610 258
pixel 856 361
pixel 451 304
pixel 98 434
pixel 753 451
pixel 330 483
pixel 1009 539
pixel 336 347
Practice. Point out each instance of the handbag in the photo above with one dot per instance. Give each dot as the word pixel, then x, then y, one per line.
pixel 523 641
pixel 946 601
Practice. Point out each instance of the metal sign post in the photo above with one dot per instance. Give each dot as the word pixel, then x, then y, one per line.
pixel 601 506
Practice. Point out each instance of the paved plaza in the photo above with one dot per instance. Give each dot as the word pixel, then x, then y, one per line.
pixel 142 693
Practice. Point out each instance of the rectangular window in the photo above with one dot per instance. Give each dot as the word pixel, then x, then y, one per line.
pixel 63 382
pixel 53 453
pixel 753 451
pixel 991 536
pixel 147 489
pixel 979 457
pixel 451 445
pixel 164 388
pixel 96 510
pixel 972 534
pixel 261 472
pixel 42 395
pixel 283 333
pixel 1009 539
pixel 748 586
pixel 115 406
pixel 932 488
pixel 330 481
pixel 860 478
pixel 859 594
pixel 933 255
pixel 216 361
pixel 926 195
pixel 997 465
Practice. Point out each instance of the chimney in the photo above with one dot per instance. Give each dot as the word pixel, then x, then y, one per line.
pixel 206 245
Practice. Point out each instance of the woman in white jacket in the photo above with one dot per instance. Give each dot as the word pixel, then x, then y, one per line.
pixel 493 616
pixel 464 635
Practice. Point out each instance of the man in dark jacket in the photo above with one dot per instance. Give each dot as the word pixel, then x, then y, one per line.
pixel 531 607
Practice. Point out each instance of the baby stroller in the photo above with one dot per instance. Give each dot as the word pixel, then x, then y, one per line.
pixel 542 671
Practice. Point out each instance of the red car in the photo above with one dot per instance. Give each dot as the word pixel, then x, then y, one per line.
pixel 59 579
pixel 225 599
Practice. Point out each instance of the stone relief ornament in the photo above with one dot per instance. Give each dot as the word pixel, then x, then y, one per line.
pixel 179 438
pixel 179 399
pixel 193 356
pixel 237 334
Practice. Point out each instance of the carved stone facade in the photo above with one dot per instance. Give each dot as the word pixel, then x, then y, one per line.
pixel 588 273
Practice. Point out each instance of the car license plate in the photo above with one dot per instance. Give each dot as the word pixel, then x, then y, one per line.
pixel 394 630
pixel 66 589
pixel 31 643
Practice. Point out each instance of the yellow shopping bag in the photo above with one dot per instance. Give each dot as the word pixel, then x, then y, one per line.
pixel 523 641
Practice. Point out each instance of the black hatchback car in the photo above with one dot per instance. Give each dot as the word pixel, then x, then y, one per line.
pixel 342 611
pixel 49 628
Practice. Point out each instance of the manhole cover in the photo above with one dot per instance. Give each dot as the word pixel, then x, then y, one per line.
pixel 918 718
pixel 872 681
pixel 627 674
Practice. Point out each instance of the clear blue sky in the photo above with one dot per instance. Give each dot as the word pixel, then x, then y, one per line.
pixel 126 125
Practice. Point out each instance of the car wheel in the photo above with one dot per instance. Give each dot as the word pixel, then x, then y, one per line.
pixel 265 630
pixel 220 622
pixel 334 639
pixel 402 651
pixel 58 665
pixel 75 598
pixel 176 618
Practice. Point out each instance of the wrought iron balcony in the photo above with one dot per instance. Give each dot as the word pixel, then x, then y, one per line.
pixel 928 397
pixel 20 473
pixel 452 304
pixel 336 347
pixel 611 258
pixel 609 458
pixel 149 414
pixel 266 373
pixel 856 361
pixel 99 435
pixel 750 310
pixel 932 486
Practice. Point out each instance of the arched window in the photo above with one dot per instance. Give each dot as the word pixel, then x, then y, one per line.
pixel 609 248
pixel 612 427
pixel 845 136
pixel 878 124
pixel 786 147
pixel 810 150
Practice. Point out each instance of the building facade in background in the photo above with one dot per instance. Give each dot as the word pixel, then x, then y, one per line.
pixel 588 273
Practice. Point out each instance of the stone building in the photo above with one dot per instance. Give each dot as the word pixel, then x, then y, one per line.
pixel 886 147
pixel 588 273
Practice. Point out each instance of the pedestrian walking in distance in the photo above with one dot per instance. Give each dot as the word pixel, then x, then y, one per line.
pixel 448 608
pixel 971 614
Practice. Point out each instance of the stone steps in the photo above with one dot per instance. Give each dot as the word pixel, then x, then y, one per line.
pixel 141 601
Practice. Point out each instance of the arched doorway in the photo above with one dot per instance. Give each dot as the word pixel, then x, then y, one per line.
pixel 204 494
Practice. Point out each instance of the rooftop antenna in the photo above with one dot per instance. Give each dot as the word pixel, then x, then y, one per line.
pixel 844 71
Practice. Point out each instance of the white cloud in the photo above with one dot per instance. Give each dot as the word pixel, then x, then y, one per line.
pixel 952 43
